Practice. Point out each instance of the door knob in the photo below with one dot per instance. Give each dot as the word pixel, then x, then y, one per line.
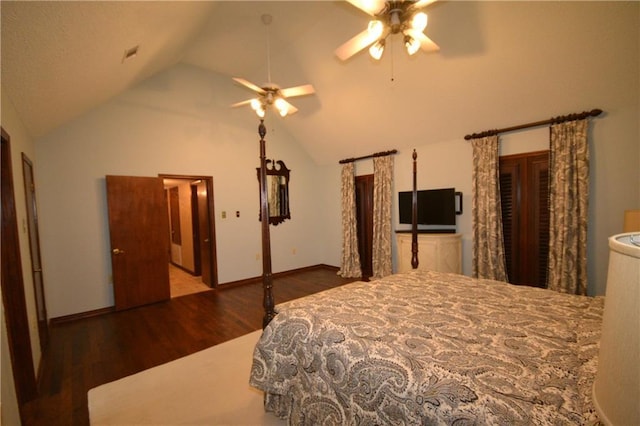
pixel 117 251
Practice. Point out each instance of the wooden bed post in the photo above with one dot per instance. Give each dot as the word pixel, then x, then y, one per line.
pixel 267 280
pixel 414 216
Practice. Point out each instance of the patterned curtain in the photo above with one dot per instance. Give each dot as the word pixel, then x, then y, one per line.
pixel 568 202
pixel 382 178
pixel 488 242
pixel 350 263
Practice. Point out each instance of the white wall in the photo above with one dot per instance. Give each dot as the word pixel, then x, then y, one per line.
pixel 615 176
pixel 178 122
pixel 20 143
pixel 614 140
pixel 441 165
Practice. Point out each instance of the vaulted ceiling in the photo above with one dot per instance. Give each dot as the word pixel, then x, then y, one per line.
pixel 500 63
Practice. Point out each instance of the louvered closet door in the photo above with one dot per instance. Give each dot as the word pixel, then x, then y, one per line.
pixel 524 191
pixel 364 212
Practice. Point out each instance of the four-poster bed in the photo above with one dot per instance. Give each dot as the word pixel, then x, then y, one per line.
pixel 429 347
pixel 267 277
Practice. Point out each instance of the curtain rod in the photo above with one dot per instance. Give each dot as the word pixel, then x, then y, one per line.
pixel 554 120
pixel 377 154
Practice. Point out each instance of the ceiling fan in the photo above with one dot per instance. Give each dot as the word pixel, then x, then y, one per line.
pixel 270 94
pixel 390 17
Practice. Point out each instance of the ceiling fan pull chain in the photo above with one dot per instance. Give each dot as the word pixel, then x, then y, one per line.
pixel 393 77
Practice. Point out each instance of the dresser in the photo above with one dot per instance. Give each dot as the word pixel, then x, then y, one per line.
pixel 436 252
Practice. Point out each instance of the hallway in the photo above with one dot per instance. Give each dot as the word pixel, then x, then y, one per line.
pixel 183 283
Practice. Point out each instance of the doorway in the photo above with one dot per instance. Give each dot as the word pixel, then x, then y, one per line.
pixel 138 224
pixel 192 252
pixel 34 247
pixel 364 216
pixel 12 284
pixel 524 197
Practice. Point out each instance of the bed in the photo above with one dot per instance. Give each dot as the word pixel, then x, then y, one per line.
pixel 431 348
pixel 427 347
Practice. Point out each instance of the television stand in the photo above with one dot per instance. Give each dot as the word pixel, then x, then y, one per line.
pixel 436 251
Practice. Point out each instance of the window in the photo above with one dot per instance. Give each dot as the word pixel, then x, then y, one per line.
pixel 524 184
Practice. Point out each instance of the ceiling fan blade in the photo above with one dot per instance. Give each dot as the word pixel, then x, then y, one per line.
pixel 290 92
pixel 355 45
pixel 422 3
pixel 249 85
pixel 247 102
pixel 426 43
pixel 290 108
pixel 372 7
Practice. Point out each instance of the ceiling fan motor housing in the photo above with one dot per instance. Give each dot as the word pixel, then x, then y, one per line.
pixel 402 17
pixel 270 96
pixel 397 14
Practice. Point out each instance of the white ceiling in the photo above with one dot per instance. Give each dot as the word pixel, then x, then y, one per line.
pixel 60 59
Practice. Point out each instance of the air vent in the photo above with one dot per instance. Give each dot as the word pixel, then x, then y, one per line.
pixel 130 53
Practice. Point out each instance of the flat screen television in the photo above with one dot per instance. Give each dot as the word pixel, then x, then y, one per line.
pixel 435 206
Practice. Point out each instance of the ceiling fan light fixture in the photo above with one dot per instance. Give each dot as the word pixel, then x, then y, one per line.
pixel 256 104
pixel 270 94
pixel 411 44
pixel 390 17
pixel 377 49
pixel 280 103
pixel 281 106
pixel 419 21
pixel 375 29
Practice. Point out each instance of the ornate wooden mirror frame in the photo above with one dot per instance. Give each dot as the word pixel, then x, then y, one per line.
pixel 277 178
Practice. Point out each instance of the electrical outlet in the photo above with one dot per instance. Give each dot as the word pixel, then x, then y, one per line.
pixel 257 256
pixel 293 251
pixel 224 215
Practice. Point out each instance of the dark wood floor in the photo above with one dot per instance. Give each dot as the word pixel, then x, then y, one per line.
pixel 89 352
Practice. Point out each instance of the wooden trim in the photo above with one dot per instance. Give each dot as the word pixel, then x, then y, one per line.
pixel 34 251
pixel 212 232
pixel 254 280
pixel 12 283
pixel 232 284
pixel 82 315
pixel 364 193
pixel 554 120
pixel 212 219
pixel 524 155
pixel 182 268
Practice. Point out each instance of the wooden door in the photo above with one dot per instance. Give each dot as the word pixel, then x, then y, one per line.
pixel 139 233
pixel 204 232
pixel 364 212
pixel 524 182
pixel 12 284
pixel 195 227
pixel 34 247
pixel 174 211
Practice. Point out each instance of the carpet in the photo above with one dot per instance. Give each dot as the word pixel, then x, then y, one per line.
pixel 210 387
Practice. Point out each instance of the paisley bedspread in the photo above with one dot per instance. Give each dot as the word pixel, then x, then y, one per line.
pixel 431 348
